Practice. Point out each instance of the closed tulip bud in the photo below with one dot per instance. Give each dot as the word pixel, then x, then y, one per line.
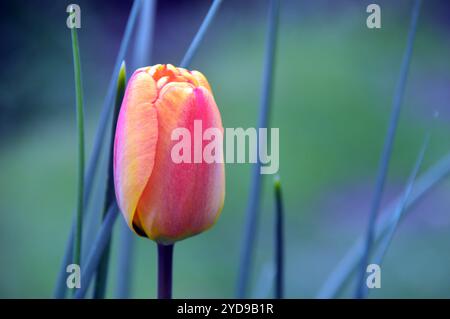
pixel 162 199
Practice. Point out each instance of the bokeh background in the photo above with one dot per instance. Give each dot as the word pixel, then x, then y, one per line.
pixel 334 83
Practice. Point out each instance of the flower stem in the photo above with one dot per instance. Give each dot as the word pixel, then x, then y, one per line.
pixel 80 128
pixel 99 244
pixel 387 150
pixel 102 272
pixel 92 167
pixel 165 265
pixel 200 34
pixel 125 269
pixel 252 213
pixel 279 241
pixel 348 265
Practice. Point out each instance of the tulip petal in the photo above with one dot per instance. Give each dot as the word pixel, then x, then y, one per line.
pixel 135 143
pixel 202 81
pixel 181 200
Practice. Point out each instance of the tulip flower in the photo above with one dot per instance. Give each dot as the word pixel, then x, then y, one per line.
pixel 160 199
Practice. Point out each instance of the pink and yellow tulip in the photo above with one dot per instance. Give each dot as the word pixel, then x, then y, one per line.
pixel 160 199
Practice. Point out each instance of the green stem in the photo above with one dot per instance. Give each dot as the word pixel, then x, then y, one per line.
pixel 90 265
pixel 398 213
pixel 200 34
pixel 80 127
pixel 102 272
pixel 92 167
pixel 252 213
pixel 279 241
pixel 347 266
pixel 387 151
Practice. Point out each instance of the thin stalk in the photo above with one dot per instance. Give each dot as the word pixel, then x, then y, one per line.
pixel 385 242
pixel 348 265
pixel 80 128
pixel 255 188
pixel 279 241
pixel 264 286
pixel 165 268
pixel 200 34
pixel 142 53
pixel 387 150
pixel 101 240
pixel 398 214
pixel 125 257
pixel 102 272
pixel 60 287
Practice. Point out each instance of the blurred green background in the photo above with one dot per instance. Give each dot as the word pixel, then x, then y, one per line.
pixel 334 83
